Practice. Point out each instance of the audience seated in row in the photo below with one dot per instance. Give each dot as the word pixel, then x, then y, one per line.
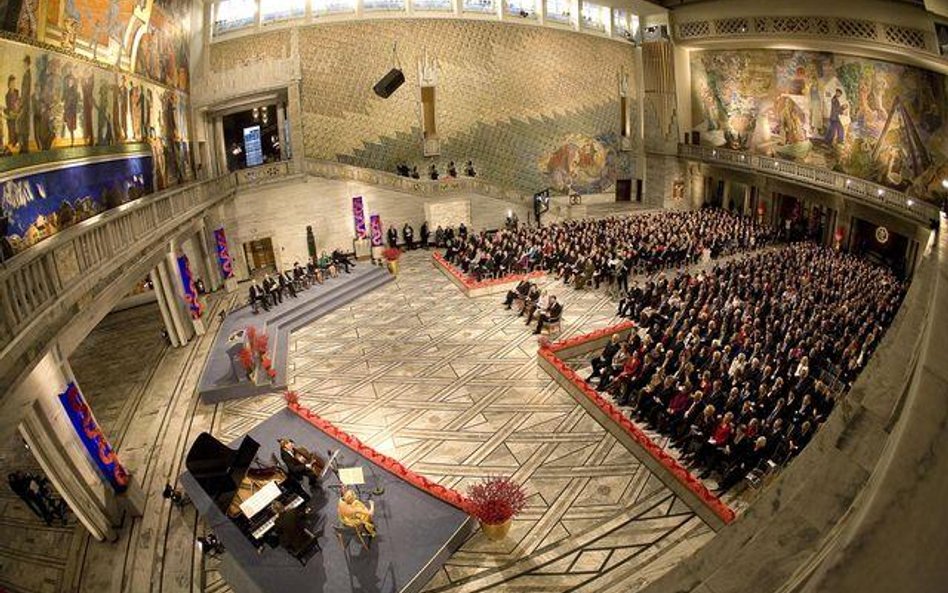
pixel 740 364
pixel 271 291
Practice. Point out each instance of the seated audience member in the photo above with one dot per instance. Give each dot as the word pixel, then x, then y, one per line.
pixel 414 173
pixel 452 170
pixel 286 283
pixel 325 262
pixel 518 293
pixel 392 236
pixel 258 296
pixel 433 172
pixel 439 237
pixel 338 257
pixel 605 357
pixel 469 169
pixel 550 315
pixel 272 286
pixel 541 304
pixel 299 276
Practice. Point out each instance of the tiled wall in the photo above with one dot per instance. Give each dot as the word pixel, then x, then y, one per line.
pixel 507 96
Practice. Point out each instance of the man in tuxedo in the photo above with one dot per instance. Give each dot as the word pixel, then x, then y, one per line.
pixel 551 314
pixel 286 283
pixel 605 358
pixel 408 234
pixel 273 289
pixel 343 260
pixel 392 236
pixel 520 292
pixel 258 297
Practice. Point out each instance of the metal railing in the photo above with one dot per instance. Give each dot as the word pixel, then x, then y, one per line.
pixel 57 273
pixel 871 193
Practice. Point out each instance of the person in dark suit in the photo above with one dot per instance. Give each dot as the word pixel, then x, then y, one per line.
pixel 258 297
pixel 425 233
pixel 343 260
pixel 552 314
pixel 291 528
pixel 520 292
pixel 392 236
pixel 272 286
pixel 286 283
pixel 408 234
pixel 605 358
pixel 300 463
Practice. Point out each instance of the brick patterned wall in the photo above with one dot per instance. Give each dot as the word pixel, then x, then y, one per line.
pixel 507 96
pixel 235 53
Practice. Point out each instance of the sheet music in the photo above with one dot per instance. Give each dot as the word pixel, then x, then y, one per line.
pixel 261 499
pixel 351 476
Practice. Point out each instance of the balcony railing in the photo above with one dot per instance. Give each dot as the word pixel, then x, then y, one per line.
pixel 44 284
pixel 866 191
pixel 426 187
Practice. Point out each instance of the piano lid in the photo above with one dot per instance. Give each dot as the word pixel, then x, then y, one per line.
pixel 218 468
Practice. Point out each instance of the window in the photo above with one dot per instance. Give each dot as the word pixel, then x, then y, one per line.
pixel 523 8
pixel 444 5
pixel 279 10
pixel 230 15
pixel 483 6
pixel 384 5
pixel 595 17
pixel 621 26
pixel 323 7
pixel 557 11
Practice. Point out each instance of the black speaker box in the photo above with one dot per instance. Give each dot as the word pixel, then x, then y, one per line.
pixel 389 83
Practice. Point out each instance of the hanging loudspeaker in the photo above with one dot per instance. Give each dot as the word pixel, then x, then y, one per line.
pixel 389 83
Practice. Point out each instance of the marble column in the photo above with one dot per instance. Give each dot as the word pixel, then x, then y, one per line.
pixel 158 283
pixel 212 277
pixel 65 460
pixel 294 112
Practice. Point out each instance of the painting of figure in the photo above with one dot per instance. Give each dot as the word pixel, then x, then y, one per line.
pixel 881 121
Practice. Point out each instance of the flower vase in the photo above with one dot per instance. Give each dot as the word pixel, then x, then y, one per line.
pixel 496 531
pixel 393 267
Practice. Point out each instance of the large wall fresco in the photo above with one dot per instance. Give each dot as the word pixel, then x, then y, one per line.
pixel 884 122
pixel 147 37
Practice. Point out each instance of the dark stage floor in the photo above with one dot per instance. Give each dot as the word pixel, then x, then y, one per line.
pixel 417 532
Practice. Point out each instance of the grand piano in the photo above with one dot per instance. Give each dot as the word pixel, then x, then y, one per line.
pixel 245 491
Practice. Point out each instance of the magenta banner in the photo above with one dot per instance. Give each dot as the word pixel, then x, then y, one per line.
pixel 93 438
pixel 223 254
pixel 358 214
pixel 376 221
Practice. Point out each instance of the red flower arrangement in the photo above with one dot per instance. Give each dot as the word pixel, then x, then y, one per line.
pixel 272 373
pixel 247 359
pixel 496 499
pixel 260 343
pixel 292 398
pixel 392 253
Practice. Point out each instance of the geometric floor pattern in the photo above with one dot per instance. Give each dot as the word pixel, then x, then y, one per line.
pixel 450 387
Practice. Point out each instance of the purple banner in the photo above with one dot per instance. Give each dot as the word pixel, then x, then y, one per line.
pixel 93 438
pixel 358 214
pixel 190 291
pixel 376 221
pixel 223 254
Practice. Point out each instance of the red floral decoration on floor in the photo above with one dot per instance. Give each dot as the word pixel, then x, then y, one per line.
pixel 260 343
pixel 680 473
pixel 448 495
pixel 470 282
pixel 497 499
pixel 247 359
pixel 292 398
pixel 391 253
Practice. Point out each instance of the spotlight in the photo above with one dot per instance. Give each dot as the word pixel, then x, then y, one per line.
pixel 910 202
pixel 879 192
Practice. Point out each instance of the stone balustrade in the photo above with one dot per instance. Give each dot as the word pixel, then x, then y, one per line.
pixel 423 187
pixel 868 192
pixel 42 288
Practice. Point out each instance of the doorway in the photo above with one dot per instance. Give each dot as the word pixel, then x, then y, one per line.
pixel 259 256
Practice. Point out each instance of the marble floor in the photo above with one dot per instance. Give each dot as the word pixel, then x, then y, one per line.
pixel 446 384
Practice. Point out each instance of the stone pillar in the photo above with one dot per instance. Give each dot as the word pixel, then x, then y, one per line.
pixel 157 282
pixel 65 458
pixel 212 278
pixel 295 115
pixel 174 291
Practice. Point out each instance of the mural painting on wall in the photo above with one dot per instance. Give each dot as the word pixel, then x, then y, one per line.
pixel 39 205
pixel 147 37
pixel 884 122
pixel 582 164
pixel 70 109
